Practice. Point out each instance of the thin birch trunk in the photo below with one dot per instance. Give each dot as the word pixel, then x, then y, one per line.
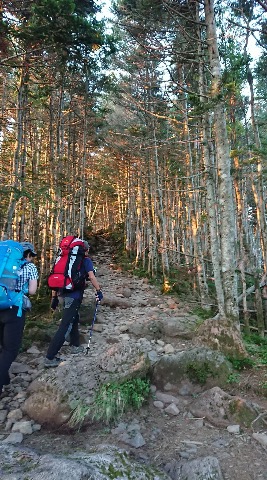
pixel 17 158
pixel 161 213
pixel 225 191
pixel 209 165
pixel 257 180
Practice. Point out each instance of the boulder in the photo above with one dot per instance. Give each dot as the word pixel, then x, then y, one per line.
pixel 221 409
pixel 198 365
pixel 204 468
pixel 223 335
pixel 116 302
pixel 180 326
pixel 103 464
pixel 56 393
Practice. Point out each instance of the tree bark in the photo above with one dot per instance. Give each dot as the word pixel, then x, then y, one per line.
pixel 225 187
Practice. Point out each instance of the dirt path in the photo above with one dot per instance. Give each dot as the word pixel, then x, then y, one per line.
pixel 167 438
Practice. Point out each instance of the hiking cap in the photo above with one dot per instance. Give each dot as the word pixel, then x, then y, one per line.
pixel 28 246
pixel 86 245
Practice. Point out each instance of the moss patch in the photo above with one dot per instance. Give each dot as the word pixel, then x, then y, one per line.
pixel 242 413
pixel 200 372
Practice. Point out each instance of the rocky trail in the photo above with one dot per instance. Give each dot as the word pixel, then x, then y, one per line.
pixel 185 432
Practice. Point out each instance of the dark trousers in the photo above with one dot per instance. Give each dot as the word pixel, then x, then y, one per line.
pixel 11 328
pixel 68 325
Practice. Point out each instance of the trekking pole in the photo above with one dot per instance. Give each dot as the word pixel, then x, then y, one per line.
pixel 91 329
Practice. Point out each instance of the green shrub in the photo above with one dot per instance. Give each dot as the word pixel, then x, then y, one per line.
pixel 202 313
pixel 255 339
pixel 111 401
pixel 256 346
pixel 114 399
pixel 233 378
pixel 241 363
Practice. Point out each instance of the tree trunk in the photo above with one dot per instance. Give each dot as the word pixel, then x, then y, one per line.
pixel 17 169
pixel 225 187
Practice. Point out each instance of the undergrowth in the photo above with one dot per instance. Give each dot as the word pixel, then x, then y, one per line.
pixel 256 347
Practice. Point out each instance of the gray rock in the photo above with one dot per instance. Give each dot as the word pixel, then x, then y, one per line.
pixel 172 409
pixel 3 415
pixel 166 398
pixel 181 327
pixel 200 364
pixel 136 440
pixel 17 367
pixel 221 409
pixel 261 438
pixel 24 426
pixel 207 468
pixel 105 463
pixel 54 394
pixel 14 437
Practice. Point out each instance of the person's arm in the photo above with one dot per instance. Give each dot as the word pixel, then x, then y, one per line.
pixel 93 280
pixel 32 274
pixel 90 272
pixel 32 287
pixel 54 300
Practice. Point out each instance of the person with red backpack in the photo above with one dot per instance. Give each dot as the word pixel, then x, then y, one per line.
pixel 70 294
pixel 12 319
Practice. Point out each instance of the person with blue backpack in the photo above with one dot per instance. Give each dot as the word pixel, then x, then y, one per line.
pixel 18 279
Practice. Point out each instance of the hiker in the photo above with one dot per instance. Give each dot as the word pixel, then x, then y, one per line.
pixel 11 324
pixel 71 302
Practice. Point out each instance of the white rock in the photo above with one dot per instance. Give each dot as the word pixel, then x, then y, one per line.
pixel 168 348
pixel 33 350
pixel 233 429
pixel 36 427
pixel 15 415
pixel 172 409
pixel 24 427
pixel 125 337
pixel 123 328
pixel 261 438
pixel 199 422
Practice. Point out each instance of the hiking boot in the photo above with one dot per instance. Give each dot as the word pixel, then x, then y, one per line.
pixel 76 350
pixel 52 363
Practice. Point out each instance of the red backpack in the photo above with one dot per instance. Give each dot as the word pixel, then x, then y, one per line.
pixel 67 271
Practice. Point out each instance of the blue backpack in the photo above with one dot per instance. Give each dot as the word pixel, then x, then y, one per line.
pixel 11 263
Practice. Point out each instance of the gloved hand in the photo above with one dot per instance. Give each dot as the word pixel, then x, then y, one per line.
pixel 54 303
pixel 99 295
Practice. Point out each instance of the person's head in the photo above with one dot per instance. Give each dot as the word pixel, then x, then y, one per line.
pixel 86 246
pixel 29 251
